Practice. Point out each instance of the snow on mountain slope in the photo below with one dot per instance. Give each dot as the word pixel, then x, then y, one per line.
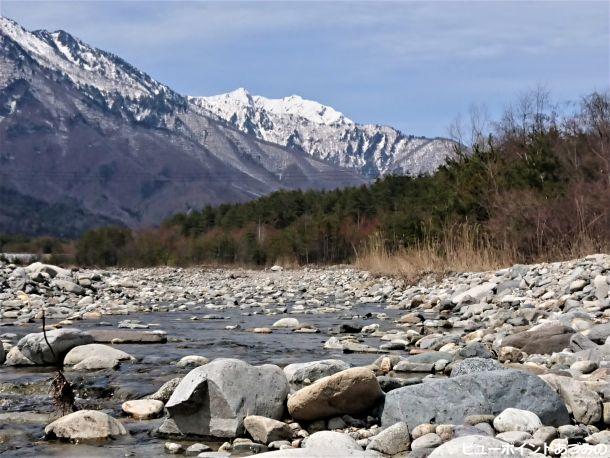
pixel 83 129
pixel 327 134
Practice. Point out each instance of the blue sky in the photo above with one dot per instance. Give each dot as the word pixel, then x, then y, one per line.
pixel 413 65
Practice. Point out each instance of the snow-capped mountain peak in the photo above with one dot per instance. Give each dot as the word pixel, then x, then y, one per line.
pixel 236 102
pixel 328 134
pixel 84 65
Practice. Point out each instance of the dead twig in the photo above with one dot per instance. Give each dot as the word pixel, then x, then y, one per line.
pixel 61 390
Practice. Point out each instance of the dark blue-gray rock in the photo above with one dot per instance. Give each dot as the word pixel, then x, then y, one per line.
pixel 35 348
pixel 547 339
pixel 2 353
pixel 392 383
pixel 452 400
pixel 314 370
pixel 475 365
pixel 214 399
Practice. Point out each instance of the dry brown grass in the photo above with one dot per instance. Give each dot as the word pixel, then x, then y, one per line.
pixel 462 249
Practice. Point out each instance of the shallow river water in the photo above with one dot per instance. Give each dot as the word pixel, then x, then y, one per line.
pixel 24 390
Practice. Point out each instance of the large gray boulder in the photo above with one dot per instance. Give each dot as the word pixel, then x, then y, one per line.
pixel 452 400
pixel 314 370
pixel 35 348
pixel 214 399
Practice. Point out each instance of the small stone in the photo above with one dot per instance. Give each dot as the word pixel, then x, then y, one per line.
pixel 423 429
pixel 143 409
pixel 430 440
pixel 517 420
pixel 286 323
pixel 196 449
pixel 510 354
pixel 192 360
pixel 174 448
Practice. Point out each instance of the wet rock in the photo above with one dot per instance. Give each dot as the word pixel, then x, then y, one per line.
pixel 94 363
pixel 164 393
pixel 452 400
pixel 192 360
pixel 196 449
pixel 35 348
pixel 14 357
pixel 314 370
pixel 286 323
pixel 123 336
pixel 352 391
pixel 266 430
pixel 173 448
pixel 392 440
pixel 143 409
pixel 103 352
pixel 214 399
pixel 85 425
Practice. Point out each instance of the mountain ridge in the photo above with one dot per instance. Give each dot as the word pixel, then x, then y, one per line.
pixel 80 125
pixel 325 133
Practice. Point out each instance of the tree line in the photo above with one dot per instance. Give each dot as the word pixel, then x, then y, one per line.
pixel 535 182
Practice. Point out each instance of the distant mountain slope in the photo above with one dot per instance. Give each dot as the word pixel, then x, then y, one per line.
pixel 81 127
pixel 326 134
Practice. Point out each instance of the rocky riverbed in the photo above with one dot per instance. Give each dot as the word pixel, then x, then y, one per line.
pixel 307 362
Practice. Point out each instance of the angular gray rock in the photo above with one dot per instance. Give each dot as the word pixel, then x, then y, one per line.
pixel 34 347
pixel 452 400
pixel 392 440
pixel 266 430
pixel 214 399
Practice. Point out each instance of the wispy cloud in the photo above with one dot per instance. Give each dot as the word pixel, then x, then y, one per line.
pixel 416 63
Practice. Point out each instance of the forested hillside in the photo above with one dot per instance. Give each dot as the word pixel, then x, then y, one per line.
pixel 532 185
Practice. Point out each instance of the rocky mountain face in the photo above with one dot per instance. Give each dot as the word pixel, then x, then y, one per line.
pixel 87 139
pixel 326 134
